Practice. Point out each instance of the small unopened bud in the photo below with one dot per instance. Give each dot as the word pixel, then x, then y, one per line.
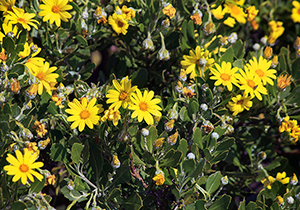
pixel 280 200
pixel 274 61
pixel 215 135
pixel 264 40
pixel 224 180
pixel 204 107
pixel 290 200
pixel 209 28
pixel 268 52
pixel 169 125
pixel 11 34
pixel 262 155
pixel 71 185
pixel 172 114
pixel 191 156
pixel 145 132
pixel 148 43
pixel 85 14
pixel 115 162
pixel 256 46
pixel 294 180
pixel 232 37
pixel 4 67
pixel 297 43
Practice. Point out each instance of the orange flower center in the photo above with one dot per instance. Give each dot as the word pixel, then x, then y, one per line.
pixel 24 168
pixel 123 96
pixel 143 106
pixel 41 76
pixel 240 102
pixel 55 9
pixel 120 24
pixel 84 114
pixel 22 20
pixel 225 77
pixel 251 83
pixel 235 10
pixel 259 72
pixel 298 11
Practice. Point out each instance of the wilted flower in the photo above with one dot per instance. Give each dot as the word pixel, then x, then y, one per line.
pixel 115 162
pixel 166 23
pixel 283 81
pixel 40 129
pixel 148 43
pixel 173 138
pixel 262 155
pixel 43 143
pixel 163 53
pixel 169 125
pixel 158 142
pixel 251 13
pixel 197 18
pixel 209 28
pixel 274 61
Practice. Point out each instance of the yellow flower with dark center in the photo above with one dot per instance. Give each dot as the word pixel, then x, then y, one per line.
pixel 46 76
pixel 283 81
pixel 159 179
pixel 239 104
pixel 251 84
pixel 19 16
pixel 225 75
pixel 83 113
pixel 169 10
pixel 55 11
pixel 159 142
pixel 200 59
pixel 8 5
pixel 236 12
pixel 121 95
pixel 145 106
pixel 296 12
pixel 40 129
pixel 22 166
pixel 261 69
pixel 118 23
pixel 251 13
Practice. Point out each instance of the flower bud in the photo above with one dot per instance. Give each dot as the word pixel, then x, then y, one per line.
pixel 71 185
pixel 145 132
pixel 191 156
pixel 209 28
pixel 115 162
pixel 280 200
pixel 268 52
pixel 224 180
pixel 172 114
pixel 173 138
pixel 204 107
pixel 148 44
pixel 11 34
pixel 262 155
pixel 297 43
pixel 290 200
pixel 169 125
pixel 232 37
pixel 256 46
pixel 294 180
pixel 159 142
pixel 215 135
pixel 274 61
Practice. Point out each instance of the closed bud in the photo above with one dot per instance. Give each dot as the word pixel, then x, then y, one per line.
pixel 268 52
pixel 209 28
pixel 232 38
pixel 274 61
pixel 297 43
pixel 262 155
pixel 148 43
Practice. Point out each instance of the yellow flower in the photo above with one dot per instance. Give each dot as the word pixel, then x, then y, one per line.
pixel 3 56
pixel 118 23
pixel 46 76
pixel 280 200
pixel 55 11
pixel 251 84
pixel 281 177
pixel 296 12
pixel 15 85
pixel 251 13
pixel 28 49
pixel 268 52
pixel 268 182
pixel 169 11
pixel 40 129
pixel 173 138
pixel 283 81
pixel 8 5
pixel 43 144
pixel 22 166
pixel 218 13
pixel 121 95
pixel 19 16
pixel 115 162
pixel 31 147
pixel 159 179
pixel 144 106
pixel 236 12
pixel 196 18
pixel 58 101
pixel 112 115
pixel 34 64
pixel 32 90
pixel 294 179
pixel 276 31
pixel 129 13
pixel 229 22
pixel 83 113
pixel 261 69
pixel 224 75
pixel 159 142
pixel 199 58
pixel 50 180
pixel 239 103
pixel 8 28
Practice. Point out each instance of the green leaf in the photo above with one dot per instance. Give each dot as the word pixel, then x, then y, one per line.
pixel 19 69
pixel 193 108
pixel 239 49
pixel 52 108
pixel 114 194
pixel 81 40
pixel 221 204
pixel 183 114
pixel 151 138
pixel 225 144
pixel 79 184
pixel 197 138
pixel 19 205
pixel 218 157
pixel 22 37
pixel 58 152
pixel 139 77
pixel 38 185
pixel 190 29
pixel 227 56
pixel 171 159
pixel 199 168
pixel 134 202
pixel 188 165
pixel 136 159
pixel 183 146
pixel 213 182
pixel 96 160
pixel 296 68
pixel 8 44
pixel 76 152
pixel 242 205
pixel 200 205
pixel 238 63
pixel 75 7
pixel 45 97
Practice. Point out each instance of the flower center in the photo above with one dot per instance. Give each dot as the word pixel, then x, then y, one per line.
pixel 24 168
pixel 298 11
pixel 56 9
pixel 120 24
pixel 240 102
pixel 84 114
pixel 251 83
pixel 123 96
pixel 259 72
pixel 143 106
pixel 41 76
pixel 235 10
pixel 225 77
pixel 21 20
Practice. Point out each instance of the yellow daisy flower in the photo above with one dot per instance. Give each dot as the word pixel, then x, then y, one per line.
pixel 217 12
pixel 46 76
pixel 22 166
pixel 121 95
pixel 7 5
pixel 83 113
pixel 224 75
pixel 144 106
pixel 283 81
pixel 239 103
pixel 19 16
pixel 8 27
pixel 118 23
pixel 55 11
pixel 199 58
pixel 296 12
pixel 27 51
pixel 261 69
pixel 251 84
pixel 33 64
pixel 129 12
pixel 236 12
